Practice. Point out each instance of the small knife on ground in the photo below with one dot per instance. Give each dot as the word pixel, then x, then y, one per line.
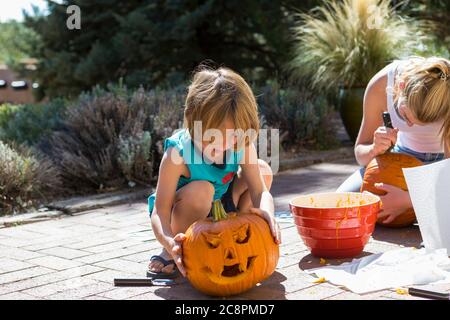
pixel 142 282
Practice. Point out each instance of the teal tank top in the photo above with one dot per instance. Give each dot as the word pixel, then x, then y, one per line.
pixel 220 176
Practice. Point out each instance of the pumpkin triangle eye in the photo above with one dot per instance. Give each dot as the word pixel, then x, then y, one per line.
pixel 242 234
pixel 212 239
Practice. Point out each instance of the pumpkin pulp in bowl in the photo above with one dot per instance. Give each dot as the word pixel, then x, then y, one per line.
pixel 335 225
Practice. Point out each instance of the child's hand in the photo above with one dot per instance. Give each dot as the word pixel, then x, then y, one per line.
pixel 274 227
pixel 176 252
pixel 395 202
pixel 383 139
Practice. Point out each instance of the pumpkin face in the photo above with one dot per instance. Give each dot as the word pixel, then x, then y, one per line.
pixel 387 168
pixel 229 256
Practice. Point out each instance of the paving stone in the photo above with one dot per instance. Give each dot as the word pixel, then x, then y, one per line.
pixel 123 265
pixel 290 260
pixel 85 229
pixel 348 295
pixel 48 290
pixel 122 293
pixel 65 253
pixel 181 291
pixel 55 262
pixel 264 293
pixel 293 248
pixel 379 246
pixel 23 274
pixel 18 296
pixel 94 297
pixel 20 233
pixel 143 256
pixel 51 242
pixel 113 246
pixel 82 292
pixel 18 253
pixel 295 279
pixel 91 243
pixel 103 256
pixel 109 275
pixel 10 242
pixel 317 292
pixel 48 278
pixel 8 265
pixel 146 296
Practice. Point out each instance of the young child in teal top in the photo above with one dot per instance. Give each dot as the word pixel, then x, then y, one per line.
pixel 212 157
pixel 220 176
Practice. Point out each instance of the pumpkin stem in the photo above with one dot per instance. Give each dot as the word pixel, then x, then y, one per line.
pixel 218 212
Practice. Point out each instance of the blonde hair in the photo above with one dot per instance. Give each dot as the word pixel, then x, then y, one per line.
pixel 426 88
pixel 220 94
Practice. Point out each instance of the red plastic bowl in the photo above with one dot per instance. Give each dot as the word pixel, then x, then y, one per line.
pixel 335 225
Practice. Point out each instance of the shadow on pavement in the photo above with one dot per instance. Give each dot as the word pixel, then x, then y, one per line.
pixel 407 236
pixel 310 262
pixel 268 289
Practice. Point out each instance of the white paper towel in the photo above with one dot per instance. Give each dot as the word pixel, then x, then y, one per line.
pixel 392 269
pixel 429 188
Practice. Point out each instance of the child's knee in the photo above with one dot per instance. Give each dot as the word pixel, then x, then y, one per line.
pixel 266 172
pixel 199 195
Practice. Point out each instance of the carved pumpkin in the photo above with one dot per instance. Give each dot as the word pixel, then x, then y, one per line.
pixel 387 168
pixel 229 254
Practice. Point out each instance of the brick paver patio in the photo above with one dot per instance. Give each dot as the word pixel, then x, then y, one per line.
pixel 77 257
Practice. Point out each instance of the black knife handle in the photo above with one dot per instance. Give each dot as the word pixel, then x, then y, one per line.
pixel 388 124
pixel 429 293
pixel 387 120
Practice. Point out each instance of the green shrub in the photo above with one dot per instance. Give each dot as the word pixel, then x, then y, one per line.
pixel 109 137
pixel 7 112
pixel 135 157
pixel 25 179
pixel 302 117
pixel 28 123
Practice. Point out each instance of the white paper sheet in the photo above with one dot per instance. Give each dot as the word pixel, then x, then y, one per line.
pixel 392 269
pixel 429 188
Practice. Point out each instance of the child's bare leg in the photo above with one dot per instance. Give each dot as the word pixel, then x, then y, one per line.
pixel 241 195
pixel 192 203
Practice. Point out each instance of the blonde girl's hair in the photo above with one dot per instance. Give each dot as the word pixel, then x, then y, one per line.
pixel 426 88
pixel 215 95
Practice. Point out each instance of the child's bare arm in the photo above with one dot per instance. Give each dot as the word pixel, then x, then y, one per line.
pixel 373 138
pixel 251 172
pixel 261 197
pixel 169 173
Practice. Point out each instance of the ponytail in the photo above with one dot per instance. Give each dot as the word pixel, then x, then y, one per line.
pixel 425 84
